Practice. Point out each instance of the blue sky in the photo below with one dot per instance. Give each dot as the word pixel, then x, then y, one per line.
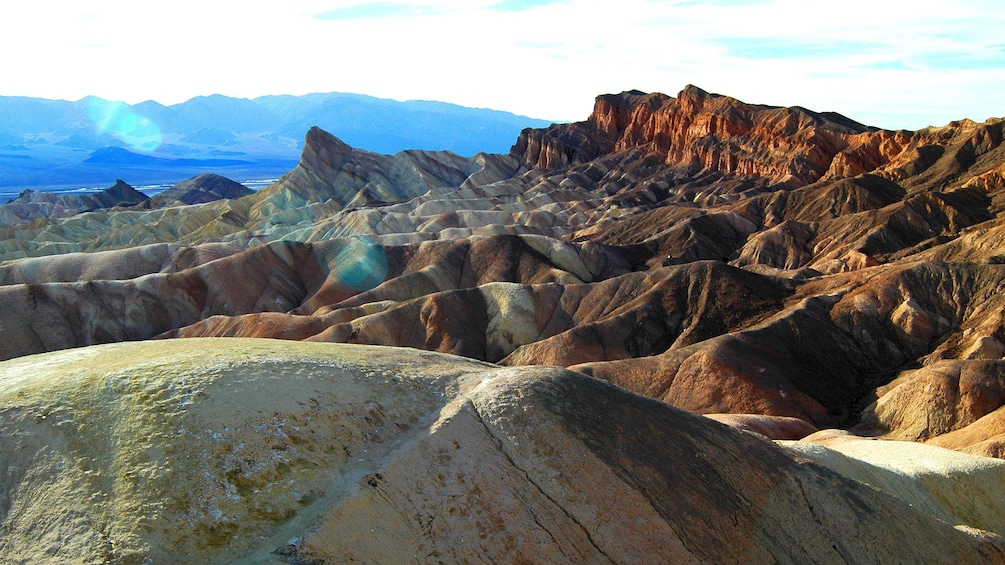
pixel 889 63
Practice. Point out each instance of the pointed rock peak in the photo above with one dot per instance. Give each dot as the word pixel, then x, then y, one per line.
pixel 319 137
pixel 693 99
pixel 320 142
pixel 120 186
pixel 693 92
pixel 124 193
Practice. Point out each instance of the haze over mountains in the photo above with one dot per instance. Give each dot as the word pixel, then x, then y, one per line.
pixel 91 142
pixel 504 355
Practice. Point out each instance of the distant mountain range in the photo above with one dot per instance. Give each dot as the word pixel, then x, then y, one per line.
pixel 56 143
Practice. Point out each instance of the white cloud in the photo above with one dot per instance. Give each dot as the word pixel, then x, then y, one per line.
pixel 893 63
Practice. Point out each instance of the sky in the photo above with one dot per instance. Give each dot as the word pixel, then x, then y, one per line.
pixel 888 63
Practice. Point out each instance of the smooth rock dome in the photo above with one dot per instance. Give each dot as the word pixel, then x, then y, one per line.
pixel 264 451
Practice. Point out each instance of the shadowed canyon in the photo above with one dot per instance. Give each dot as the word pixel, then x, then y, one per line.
pixel 688 329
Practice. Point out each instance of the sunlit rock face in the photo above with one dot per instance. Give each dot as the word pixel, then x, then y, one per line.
pixel 718 256
pixel 243 450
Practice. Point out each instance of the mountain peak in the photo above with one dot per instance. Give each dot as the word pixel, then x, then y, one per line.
pixel 120 193
pixel 318 138
pixel 206 187
pixel 692 91
pixel 321 147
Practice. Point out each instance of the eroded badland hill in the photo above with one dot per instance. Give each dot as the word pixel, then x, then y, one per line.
pixel 791 274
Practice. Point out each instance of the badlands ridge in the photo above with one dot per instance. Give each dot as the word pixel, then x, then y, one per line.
pixel 778 270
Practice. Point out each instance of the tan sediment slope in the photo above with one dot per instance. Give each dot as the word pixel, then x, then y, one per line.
pixel 199 448
pixel 947 484
pixel 262 451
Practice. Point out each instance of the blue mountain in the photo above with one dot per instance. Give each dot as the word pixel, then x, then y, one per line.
pixel 62 143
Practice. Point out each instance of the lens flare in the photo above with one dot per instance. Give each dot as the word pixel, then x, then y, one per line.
pixel 361 265
pixel 118 120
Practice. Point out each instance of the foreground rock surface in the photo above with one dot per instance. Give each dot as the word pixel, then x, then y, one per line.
pixel 942 483
pixel 260 451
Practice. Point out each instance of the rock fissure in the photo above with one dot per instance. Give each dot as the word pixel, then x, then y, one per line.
pixel 501 447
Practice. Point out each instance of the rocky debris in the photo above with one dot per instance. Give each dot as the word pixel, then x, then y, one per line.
pixel 31 205
pixel 200 189
pixel 207 451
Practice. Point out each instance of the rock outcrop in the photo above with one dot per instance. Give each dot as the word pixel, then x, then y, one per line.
pixel 212 451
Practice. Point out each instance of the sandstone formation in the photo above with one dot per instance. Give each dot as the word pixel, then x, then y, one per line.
pixel 260 451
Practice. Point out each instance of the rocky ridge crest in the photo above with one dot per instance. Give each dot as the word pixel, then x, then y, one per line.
pixel 31 205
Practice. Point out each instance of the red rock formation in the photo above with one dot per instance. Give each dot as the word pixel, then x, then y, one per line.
pixel 698 131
